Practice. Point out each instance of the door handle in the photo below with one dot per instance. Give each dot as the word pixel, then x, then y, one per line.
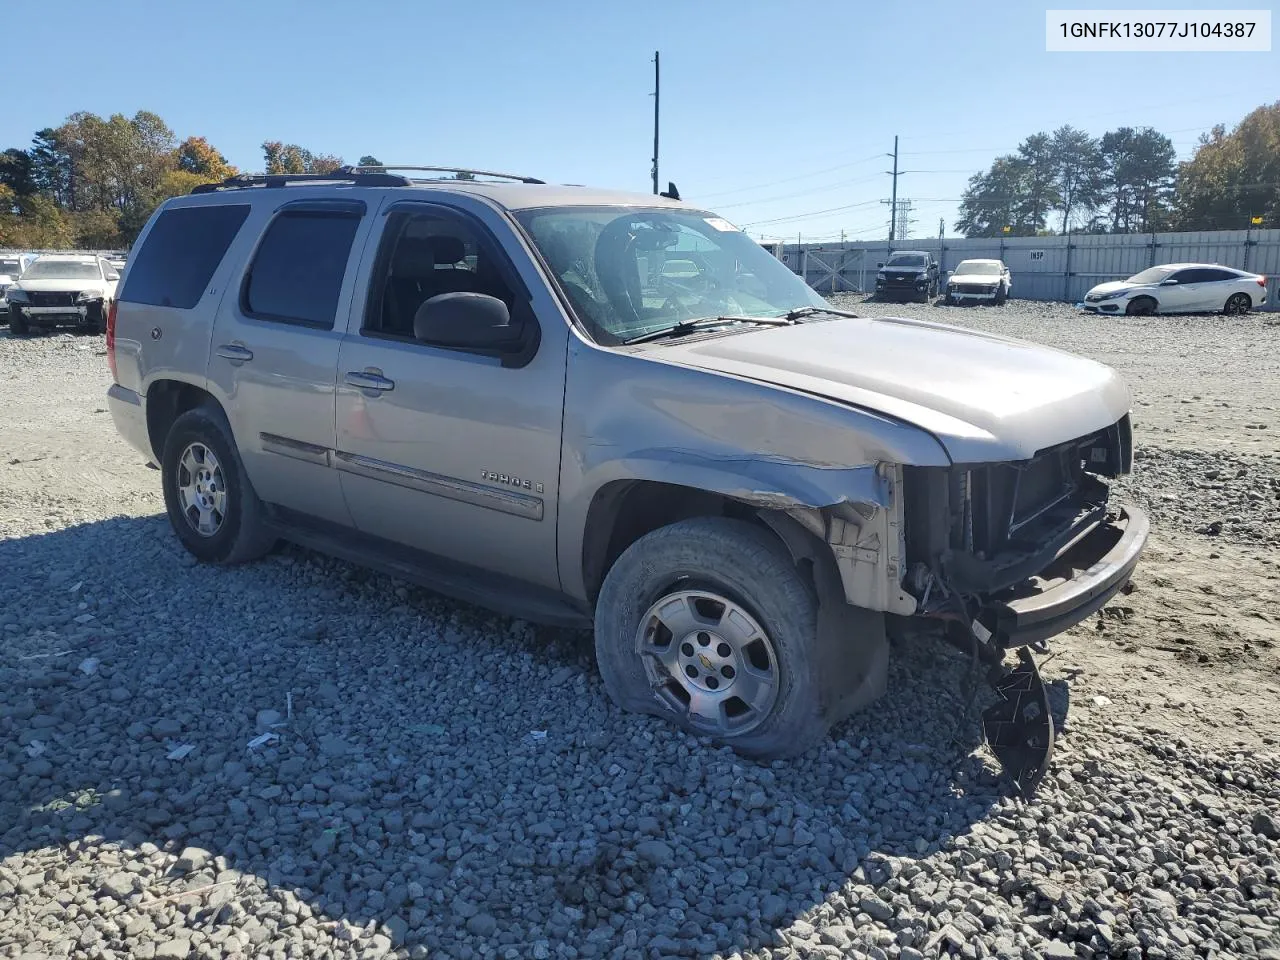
pixel 368 380
pixel 235 352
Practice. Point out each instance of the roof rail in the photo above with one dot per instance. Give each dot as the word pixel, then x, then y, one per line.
pixel 342 174
pixel 382 167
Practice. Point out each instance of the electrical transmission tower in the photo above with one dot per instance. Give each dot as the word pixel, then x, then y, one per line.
pixel 903 219
pixel 900 218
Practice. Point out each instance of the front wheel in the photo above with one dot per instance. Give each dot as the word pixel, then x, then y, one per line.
pixel 1237 303
pixel 17 324
pixel 1141 307
pixel 211 503
pixel 708 623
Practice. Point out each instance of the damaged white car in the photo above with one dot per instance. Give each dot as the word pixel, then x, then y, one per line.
pixel 978 281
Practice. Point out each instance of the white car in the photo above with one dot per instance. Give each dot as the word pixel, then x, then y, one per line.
pixel 980 281
pixel 1180 288
pixel 62 290
pixel 11 267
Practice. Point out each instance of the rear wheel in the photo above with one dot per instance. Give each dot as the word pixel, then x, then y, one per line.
pixel 1141 307
pixel 1238 303
pixel 211 503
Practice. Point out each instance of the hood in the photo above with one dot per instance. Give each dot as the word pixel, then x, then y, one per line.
pixel 1115 286
pixel 985 398
pixel 992 278
pixel 60 286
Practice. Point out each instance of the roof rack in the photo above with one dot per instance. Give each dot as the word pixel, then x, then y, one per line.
pixel 383 167
pixel 350 175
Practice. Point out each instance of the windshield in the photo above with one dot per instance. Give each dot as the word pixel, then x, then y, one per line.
pixel 978 268
pixel 906 260
pixel 629 271
pixel 1151 275
pixel 62 270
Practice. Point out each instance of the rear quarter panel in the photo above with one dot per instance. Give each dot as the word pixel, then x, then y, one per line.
pixel 167 343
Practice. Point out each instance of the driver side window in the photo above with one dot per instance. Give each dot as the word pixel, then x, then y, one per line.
pixel 422 256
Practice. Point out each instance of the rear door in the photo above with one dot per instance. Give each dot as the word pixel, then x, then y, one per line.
pixel 274 354
pixel 1219 286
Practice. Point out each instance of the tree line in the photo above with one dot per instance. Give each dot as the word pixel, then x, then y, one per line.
pixel 1128 181
pixel 92 182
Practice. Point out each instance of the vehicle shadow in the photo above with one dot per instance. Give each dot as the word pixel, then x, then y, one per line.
pixel 440 776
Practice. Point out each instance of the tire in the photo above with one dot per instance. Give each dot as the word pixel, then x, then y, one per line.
pixel 236 529
pixel 17 325
pixel 1141 307
pixel 1001 296
pixel 949 301
pixel 96 320
pixel 1238 303
pixel 743 583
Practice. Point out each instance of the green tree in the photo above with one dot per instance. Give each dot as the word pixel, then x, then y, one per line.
pixel 1233 176
pixel 1079 175
pixel 1039 184
pixel 368 160
pixel 996 199
pixel 1139 167
pixel 51 166
pixel 17 172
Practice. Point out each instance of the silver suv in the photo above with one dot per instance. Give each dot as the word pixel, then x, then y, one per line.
pixel 618 411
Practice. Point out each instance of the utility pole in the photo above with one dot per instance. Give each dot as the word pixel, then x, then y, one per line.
pixel 893 200
pixel 656 90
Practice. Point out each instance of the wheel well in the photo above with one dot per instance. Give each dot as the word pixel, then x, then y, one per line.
pixel 166 401
pixel 624 511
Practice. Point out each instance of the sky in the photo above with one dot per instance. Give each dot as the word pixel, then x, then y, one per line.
pixel 779 117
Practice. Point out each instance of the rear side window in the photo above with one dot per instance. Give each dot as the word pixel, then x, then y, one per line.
pixel 297 273
pixel 180 254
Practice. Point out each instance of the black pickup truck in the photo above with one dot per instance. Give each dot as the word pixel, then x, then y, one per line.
pixel 908 275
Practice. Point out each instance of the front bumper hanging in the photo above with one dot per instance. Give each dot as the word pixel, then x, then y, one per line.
pixel 1078 582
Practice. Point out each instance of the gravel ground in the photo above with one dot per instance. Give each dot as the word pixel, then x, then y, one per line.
pixel 442 782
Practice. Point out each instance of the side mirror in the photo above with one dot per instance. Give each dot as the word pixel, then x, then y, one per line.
pixel 950 272
pixel 880 265
pixel 1170 282
pixel 472 321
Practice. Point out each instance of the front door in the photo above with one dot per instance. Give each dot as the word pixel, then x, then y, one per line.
pixel 451 452
pixel 274 356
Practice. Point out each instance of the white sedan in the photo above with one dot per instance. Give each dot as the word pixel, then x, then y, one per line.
pixel 1180 288
pixel 983 281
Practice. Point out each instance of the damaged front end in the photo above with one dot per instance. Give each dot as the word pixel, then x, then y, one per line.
pixel 1009 554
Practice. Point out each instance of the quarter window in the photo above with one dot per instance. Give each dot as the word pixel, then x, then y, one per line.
pixel 297 272
pixel 180 254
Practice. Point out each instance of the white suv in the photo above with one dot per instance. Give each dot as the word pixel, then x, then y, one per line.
pixel 60 290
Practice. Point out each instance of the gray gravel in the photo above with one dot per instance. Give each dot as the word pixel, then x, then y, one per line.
pixel 437 781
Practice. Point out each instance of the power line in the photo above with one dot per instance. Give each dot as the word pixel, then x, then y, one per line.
pixel 811 213
pixel 801 176
pixel 799 193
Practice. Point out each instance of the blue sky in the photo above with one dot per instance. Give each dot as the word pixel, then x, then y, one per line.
pixel 775 115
